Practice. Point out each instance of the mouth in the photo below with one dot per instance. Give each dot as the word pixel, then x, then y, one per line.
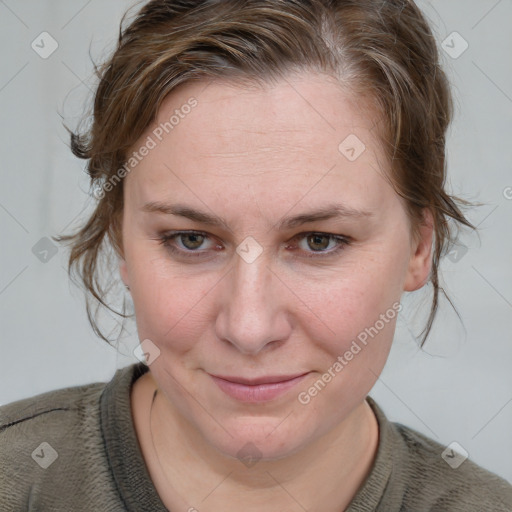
pixel 261 389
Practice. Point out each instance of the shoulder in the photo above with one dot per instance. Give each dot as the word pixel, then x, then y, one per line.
pixel 62 408
pixel 445 478
pixel 22 410
pixel 44 438
pixel 54 447
pixel 411 471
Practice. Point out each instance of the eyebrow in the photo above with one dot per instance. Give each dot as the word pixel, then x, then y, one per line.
pixel 331 211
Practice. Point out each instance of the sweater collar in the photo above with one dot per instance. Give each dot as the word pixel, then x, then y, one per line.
pixel 377 483
pixel 124 455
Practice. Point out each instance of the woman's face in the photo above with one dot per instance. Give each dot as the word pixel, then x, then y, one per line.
pixel 267 291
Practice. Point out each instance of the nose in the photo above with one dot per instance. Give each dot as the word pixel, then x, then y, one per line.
pixel 253 313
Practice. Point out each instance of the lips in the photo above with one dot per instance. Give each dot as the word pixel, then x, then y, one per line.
pixel 270 379
pixel 260 389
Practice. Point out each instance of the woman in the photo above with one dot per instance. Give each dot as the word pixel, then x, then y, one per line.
pixel 270 177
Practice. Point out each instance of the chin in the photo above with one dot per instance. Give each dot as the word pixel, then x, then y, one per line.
pixel 259 438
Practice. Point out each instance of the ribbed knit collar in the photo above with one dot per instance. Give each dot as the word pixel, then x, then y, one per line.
pixel 121 444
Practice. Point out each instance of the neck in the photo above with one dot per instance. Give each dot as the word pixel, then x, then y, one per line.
pixel 189 471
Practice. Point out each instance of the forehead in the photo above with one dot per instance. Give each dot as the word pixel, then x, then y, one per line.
pixel 287 136
pixel 302 108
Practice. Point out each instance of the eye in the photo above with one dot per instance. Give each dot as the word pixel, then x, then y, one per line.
pixel 320 242
pixel 191 244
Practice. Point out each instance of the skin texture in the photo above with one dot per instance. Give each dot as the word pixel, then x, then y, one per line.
pixel 254 156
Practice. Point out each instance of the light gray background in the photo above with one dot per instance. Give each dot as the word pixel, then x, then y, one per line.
pixel 458 389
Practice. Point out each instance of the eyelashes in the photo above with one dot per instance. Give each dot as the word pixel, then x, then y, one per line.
pixel 169 241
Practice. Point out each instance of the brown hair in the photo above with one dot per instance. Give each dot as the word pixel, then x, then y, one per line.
pixel 381 50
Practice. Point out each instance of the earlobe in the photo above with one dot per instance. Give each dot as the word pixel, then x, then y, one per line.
pixel 420 262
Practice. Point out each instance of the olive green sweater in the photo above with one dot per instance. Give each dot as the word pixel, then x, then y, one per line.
pixel 75 449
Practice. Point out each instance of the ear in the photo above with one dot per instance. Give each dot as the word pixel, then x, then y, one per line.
pixel 420 262
pixel 123 271
pixel 116 237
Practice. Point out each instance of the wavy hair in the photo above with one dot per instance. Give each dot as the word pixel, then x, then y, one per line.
pixel 380 50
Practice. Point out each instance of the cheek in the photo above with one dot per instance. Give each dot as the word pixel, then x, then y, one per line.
pixel 173 306
pixel 361 316
pixel 361 322
pixel 355 317
pixel 354 296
